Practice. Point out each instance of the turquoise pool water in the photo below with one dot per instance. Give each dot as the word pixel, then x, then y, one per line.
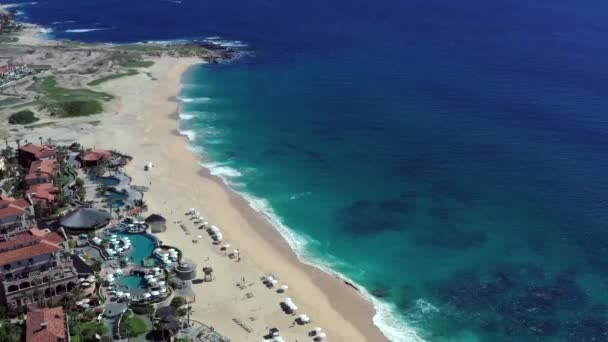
pixel 133 282
pixel 107 181
pixel 116 198
pixel 143 246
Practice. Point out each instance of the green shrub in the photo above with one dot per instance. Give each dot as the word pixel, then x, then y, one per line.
pixel 78 108
pixel 22 117
pixel 176 302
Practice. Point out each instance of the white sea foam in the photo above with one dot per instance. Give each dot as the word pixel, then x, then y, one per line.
pixel 385 317
pixel 194 99
pixel 188 133
pixel 225 42
pixel 19 4
pixel 84 30
pixel 185 116
pixel 46 30
pixel 299 195
pixel 63 22
pixel 223 171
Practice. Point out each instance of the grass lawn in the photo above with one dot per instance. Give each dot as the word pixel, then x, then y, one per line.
pixel 137 64
pixel 8 39
pixel 88 331
pixel 55 93
pixel 138 325
pixel 65 102
pixel 98 81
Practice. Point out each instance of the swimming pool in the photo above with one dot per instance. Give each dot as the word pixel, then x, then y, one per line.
pixel 107 181
pixel 116 198
pixel 143 246
pixel 132 282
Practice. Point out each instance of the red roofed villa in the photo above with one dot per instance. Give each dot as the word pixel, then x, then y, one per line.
pixel 42 171
pixel 43 196
pixel 14 216
pixel 46 325
pixel 36 254
pixel 93 157
pixel 32 152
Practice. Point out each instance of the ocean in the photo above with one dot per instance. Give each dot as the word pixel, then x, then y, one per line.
pixel 449 157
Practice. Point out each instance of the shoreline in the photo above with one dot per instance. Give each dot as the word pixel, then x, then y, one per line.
pixel 351 304
pixel 344 315
pixel 153 136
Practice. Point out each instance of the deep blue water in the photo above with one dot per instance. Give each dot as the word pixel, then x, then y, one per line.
pixel 448 156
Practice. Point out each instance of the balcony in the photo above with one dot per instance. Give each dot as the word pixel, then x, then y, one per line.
pixel 24 281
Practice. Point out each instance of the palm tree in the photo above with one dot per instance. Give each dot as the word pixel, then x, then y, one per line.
pixel 38 294
pixel 50 279
pixel 18 142
pixel 40 138
pixel 128 328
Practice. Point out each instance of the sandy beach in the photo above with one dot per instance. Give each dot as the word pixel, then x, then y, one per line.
pixel 142 122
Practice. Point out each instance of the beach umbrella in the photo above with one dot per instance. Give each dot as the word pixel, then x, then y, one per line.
pixel 317 329
pixel 322 335
pixel 199 236
pixel 284 287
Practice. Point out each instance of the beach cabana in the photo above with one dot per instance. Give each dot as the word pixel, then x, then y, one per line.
pixel 158 224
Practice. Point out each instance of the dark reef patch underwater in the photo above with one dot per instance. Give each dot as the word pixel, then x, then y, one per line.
pixel 448 156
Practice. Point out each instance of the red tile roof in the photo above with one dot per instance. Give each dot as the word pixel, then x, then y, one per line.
pixel 43 166
pixel 95 155
pixel 19 241
pixel 10 210
pixel 53 318
pixel 12 207
pixel 14 255
pixel 38 151
pixel 50 237
pixel 45 191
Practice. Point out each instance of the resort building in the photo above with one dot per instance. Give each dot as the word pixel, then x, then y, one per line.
pixel 15 217
pixel 32 261
pixel 13 72
pixel 43 196
pixel 85 220
pixel 29 153
pixel 158 224
pixel 42 171
pixel 94 157
pixel 46 325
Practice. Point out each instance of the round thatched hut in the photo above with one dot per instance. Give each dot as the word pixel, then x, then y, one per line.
pixel 85 220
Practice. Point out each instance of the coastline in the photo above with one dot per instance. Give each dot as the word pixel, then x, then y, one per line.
pixel 349 304
pixel 342 311
pixel 151 110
